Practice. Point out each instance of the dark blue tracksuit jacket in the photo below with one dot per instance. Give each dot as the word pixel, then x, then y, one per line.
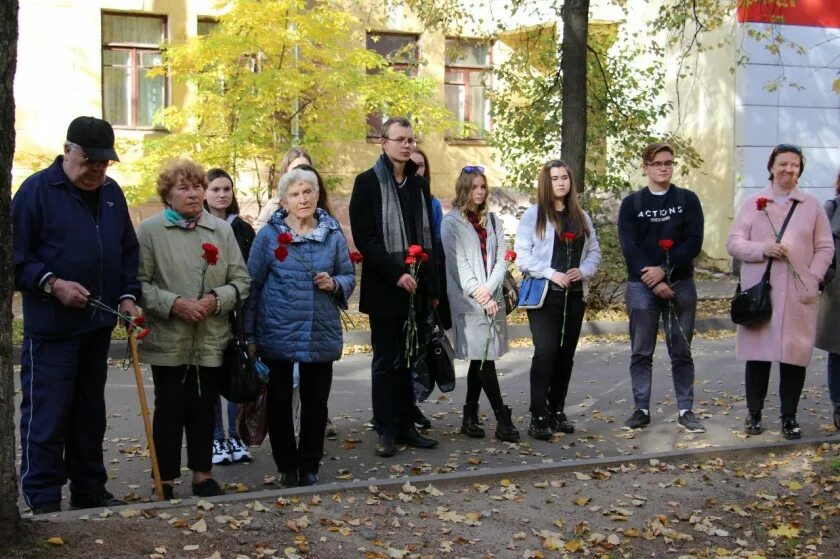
pixel 63 362
pixel 54 231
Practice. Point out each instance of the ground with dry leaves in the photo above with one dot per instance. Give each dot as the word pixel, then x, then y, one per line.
pixel 782 505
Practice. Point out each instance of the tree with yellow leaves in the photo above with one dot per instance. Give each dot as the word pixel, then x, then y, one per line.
pixel 278 73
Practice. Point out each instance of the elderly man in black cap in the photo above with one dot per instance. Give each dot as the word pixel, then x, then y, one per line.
pixel 73 242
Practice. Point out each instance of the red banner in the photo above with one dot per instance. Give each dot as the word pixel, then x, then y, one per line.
pixel 810 13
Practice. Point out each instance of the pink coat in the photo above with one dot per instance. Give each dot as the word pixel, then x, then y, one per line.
pixel 789 335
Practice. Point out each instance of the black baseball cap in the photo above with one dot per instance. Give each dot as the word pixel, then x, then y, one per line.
pixel 95 136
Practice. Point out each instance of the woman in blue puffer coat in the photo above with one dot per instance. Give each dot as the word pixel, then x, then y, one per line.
pixel 302 276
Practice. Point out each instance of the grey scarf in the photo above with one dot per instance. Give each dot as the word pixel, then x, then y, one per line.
pixel 393 225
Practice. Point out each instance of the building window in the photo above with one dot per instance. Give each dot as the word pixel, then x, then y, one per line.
pixel 206 25
pixel 469 70
pixel 401 51
pixel 130 48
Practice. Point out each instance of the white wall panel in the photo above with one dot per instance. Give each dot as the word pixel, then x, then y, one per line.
pixel 816 84
pixel 751 85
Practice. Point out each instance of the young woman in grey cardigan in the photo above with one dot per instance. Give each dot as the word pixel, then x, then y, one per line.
pixel 474 244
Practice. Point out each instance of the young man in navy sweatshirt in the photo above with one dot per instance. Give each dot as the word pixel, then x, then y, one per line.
pixel 660 228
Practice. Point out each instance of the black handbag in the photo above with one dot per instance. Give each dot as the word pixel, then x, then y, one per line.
pixel 510 292
pixel 440 357
pixel 752 306
pixel 237 380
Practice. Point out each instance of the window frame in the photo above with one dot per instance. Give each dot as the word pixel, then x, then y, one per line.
pixel 411 69
pixel 136 51
pixel 467 71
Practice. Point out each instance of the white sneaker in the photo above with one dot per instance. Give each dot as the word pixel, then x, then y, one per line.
pixel 238 451
pixel 330 430
pixel 221 452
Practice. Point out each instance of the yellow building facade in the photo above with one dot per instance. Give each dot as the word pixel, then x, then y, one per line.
pixel 87 57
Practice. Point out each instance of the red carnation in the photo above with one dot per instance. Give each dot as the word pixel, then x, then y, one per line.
pixel 285 238
pixel 568 236
pixel 211 253
pixel 761 203
pixel 414 250
pixel 424 257
pixel 510 256
pixel 280 253
pixel 356 257
pixel 410 260
pixel 666 244
pixel 139 320
pixel 143 333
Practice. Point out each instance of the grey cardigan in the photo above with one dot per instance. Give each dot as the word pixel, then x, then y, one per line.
pixel 465 269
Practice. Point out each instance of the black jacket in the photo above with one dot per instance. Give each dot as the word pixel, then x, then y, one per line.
pixel 244 234
pixel 380 294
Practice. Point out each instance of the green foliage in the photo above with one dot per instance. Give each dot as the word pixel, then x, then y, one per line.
pixel 273 74
pixel 623 114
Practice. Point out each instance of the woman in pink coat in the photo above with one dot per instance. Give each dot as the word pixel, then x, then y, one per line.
pixel 807 248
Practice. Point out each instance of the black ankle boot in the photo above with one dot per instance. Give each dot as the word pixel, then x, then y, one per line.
pixel 505 431
pixel 539 428
pixel 559 423
pixel 752 424
pixel 470 426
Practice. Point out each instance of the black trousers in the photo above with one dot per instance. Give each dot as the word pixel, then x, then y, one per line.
pixel 791 381
pixel 305 455
pixel 181 407
pixel 551 366
pixel 392 388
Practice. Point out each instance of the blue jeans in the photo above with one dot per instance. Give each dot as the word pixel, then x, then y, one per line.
pixel 834 378
pixel 645 310
pixel 233 411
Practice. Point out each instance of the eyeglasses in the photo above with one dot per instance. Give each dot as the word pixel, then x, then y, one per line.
pixel 86 161
pixel 404 141
pixel 473 169
pixel 661 164
pixel 788 147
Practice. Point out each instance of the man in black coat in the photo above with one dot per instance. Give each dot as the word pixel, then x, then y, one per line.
pixel 390 209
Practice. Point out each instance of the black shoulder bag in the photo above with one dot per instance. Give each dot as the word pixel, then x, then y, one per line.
pixel 237 381
pixel 752 307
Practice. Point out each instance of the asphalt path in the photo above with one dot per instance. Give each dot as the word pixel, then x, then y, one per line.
pixel 599 400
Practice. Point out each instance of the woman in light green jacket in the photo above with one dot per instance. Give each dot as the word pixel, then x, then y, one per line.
pixel 190 269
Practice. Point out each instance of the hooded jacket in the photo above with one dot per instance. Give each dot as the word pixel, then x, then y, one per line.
pixel 287 316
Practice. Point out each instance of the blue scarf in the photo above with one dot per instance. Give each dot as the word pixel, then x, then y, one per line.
pixel 187 223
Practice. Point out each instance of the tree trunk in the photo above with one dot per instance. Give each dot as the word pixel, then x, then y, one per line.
pixel 575 14
pixel 9 515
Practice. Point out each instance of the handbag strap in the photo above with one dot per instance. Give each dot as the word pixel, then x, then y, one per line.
pixel 766 276
pixel 235 317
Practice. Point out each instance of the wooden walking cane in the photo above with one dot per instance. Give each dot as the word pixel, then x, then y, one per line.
pixel 144 410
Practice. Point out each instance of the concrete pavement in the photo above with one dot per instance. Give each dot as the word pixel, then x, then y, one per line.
pixel 598 402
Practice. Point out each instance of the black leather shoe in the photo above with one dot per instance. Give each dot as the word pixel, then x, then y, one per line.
pixel 837 417
pixel 168 492
pixel 289 479
pixel 385 446
pixel 752 423
pixel 420 420
pixel 790 428
pixel 308 479
pixel 47 508
pixel 207 488
pixel 412 437
pixel 94 500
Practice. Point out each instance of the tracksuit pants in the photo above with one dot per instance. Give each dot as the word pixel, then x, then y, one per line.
pixel 62 421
